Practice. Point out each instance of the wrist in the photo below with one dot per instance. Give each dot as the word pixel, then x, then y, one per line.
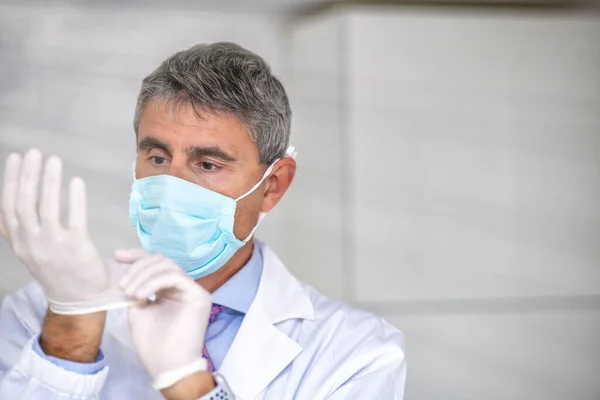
pixel 191 387
pixel 73 337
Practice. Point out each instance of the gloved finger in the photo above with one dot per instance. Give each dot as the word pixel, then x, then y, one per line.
pixel 136 308
pixel 167 281
pixel 146 270
pixel 50 199
pixel 27 198
pixel 77 205
pixel 129 256
pixel 141 270
pixel 12 171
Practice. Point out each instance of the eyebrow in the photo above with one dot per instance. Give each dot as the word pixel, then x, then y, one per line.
pixel 211 151
pixel 192 152
pixel 150 143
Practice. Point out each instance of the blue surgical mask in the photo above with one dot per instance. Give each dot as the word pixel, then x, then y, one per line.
pixel 188 223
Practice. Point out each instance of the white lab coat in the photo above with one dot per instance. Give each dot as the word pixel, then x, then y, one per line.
pixel 293 344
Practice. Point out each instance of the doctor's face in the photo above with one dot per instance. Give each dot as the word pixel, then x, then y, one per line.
pixel 214 151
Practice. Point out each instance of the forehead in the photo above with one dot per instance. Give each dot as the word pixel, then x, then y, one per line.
pixel 183 125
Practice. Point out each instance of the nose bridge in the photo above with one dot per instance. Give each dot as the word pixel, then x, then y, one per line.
pixel 178 168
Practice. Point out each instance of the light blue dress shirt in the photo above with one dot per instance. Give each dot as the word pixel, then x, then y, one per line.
pixel 236 294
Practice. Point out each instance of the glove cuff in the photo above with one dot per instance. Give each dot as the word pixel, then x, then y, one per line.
pixel 110 300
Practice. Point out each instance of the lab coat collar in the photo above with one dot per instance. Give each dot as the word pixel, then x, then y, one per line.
pixel 283 296
pixel 260 351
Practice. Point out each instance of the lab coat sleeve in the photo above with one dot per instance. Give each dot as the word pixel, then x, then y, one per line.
pixel 24 374
pixel 378 382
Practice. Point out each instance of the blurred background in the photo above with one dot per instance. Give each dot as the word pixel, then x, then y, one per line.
pixel 449 162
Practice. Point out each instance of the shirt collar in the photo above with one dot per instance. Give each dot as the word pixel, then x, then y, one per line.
pixel 239 291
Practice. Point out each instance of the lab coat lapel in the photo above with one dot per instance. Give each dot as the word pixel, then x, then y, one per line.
pixel 258 354
pixel 260 351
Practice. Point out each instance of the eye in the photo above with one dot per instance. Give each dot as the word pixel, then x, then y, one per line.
pixel 208 166
pixel 157 160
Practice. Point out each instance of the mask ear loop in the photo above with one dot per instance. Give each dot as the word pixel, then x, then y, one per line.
pixel 289 153
pixel 265 175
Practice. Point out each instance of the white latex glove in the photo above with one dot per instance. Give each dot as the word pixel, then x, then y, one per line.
pixel 62 259
pixel 167 333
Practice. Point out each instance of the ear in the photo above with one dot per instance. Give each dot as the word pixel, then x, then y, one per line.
pixel 278 183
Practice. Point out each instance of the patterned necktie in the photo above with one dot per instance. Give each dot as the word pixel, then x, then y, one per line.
pixel 214 312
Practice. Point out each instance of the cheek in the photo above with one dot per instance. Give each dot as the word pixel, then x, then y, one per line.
pixel 246 215
pixel 143 171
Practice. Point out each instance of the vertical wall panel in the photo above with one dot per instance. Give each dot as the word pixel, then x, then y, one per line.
pixel 476 153
pixel 315 201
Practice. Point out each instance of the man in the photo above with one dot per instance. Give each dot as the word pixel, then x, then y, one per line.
pixel 213 157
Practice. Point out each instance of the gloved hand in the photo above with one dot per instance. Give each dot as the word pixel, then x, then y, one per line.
pixel 168 332
pixel 62 259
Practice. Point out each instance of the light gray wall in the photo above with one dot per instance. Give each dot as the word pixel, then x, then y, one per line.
pixel 452 174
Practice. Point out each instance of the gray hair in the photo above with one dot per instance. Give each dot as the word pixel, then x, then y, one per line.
pixel 224 78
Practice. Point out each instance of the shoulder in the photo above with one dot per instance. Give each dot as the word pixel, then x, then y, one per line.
pixel 316 321
pixel 353 345
pixel 354 340
pixel 351 322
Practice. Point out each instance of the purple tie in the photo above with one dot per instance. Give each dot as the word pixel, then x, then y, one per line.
pixel 214 312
